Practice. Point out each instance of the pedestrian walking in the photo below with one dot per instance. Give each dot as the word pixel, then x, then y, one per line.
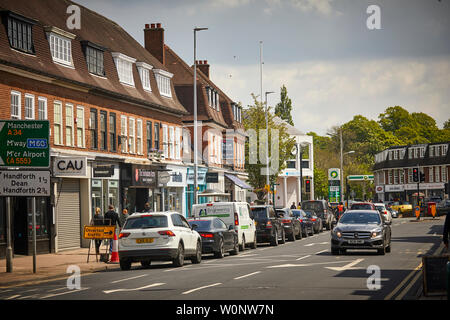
pixel 146 208
pixel 446 232
pixel 112 219
pixel 97 220
pixel 293 206
pixel 124 216
pixel 299 206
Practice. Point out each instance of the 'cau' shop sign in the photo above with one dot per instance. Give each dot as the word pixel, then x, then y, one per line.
pixel 70 167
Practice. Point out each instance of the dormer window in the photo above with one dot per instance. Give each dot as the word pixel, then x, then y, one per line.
pixel 60 45
pixel 236 112
pixel 20 32
pixel 144 74
pixel 124 65
pixel 163 81
pixel 94 58
pixel 213 98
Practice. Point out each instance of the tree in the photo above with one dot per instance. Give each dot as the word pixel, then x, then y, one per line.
pixel 394 118
pixel 284 107
pixel 254 121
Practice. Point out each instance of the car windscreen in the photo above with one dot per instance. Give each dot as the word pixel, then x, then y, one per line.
pixel 201 224
pixel 315 206
pixel 145 222
pixel 309 214
pixel 259 213
pixel 360 218
pixel 379 208
pixel 361 206
pixel 282 212
pixel 298 213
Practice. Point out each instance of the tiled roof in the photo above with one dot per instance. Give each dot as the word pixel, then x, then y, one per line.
pixel 96 29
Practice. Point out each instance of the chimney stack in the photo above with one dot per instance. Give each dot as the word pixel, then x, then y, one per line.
pixel 154 41
pixel 204 67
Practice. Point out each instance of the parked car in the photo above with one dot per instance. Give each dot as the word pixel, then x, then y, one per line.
pixel 292 227
pixel 322 210
pixel 269 227
pixel 383 210
pixel 361 229
pixel 362 206
pixel 316 221
pixel 306 223
pixel 401 206
pixel 236 214
pixel 393 212
pixel 217 238
pixel 158 236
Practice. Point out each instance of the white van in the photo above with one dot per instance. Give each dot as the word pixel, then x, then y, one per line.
pixel 235 215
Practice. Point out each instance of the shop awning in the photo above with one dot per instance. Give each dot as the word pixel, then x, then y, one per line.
pixel 237 181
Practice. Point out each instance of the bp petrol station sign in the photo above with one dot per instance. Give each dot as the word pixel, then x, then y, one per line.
pixel 24 144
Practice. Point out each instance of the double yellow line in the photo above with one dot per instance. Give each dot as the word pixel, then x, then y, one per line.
pixel 408 287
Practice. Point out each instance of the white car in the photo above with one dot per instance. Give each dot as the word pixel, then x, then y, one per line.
pixel 236 214
pixel 158 236
pixel 381 207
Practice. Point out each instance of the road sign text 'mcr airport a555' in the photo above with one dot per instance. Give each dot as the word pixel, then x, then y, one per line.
pixel 24 144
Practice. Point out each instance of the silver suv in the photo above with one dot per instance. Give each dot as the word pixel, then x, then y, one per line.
pixel 361 229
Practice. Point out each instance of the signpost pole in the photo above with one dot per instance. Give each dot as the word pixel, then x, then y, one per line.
pixel 9 256
pixel 34 234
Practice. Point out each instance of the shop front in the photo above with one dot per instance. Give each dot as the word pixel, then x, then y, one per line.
pixel 105 186
pixel 201 183
pixel 175 189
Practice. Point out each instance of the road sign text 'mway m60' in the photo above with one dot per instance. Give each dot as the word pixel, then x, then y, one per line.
pixel 24 144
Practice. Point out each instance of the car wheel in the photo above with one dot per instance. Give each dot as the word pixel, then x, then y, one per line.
pixel 283 237
pixel 253 245
pixel 198 254
pixel 274 241
pixel 125 264
pixel 179 260
pixel 219 254
pixel 242 245
pixel 146 263
pixel 235 250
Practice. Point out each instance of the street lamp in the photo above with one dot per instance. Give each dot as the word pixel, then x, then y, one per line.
pixel 342 168
pixel 195 113
pixel 267 145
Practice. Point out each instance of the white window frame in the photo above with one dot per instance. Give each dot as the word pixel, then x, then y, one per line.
pixel 390 176
pixel 431 151
pixel 430 174
pixel 444 149
pixel 123 134
pixel 124 67
pixel 80 126
pixel 410 175
pixel 144 74
pixel 42 113
pixel 437 173
pixel 69 124
pixel 29 109
pixel 17 106
pixel 131 135
pixel 60 43
pixel 164 141
pixel 163 80
pixel 444 174
pixel 172 142
pixel 177 143
pixel 139 142
pixel 56 123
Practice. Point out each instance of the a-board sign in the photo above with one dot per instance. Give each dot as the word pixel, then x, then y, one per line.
pixel 99 232
pixel 24 143
pixel 434 274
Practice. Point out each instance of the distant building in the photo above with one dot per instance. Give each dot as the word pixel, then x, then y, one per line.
pixel 393 171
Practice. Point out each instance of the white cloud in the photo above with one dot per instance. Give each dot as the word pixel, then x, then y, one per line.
pixel 321 6
pixel 325 94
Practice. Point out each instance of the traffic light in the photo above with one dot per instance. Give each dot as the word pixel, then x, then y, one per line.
pixel 307 186
pixel 415 174
pixel 422 177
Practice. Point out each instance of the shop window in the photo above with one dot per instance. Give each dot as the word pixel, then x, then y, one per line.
pixel 103 131
pixel 80 127
pixel 93 129
pixel 15 105
pixel 112 132
pixel 69 125
pixel 149 136
pixel 57 123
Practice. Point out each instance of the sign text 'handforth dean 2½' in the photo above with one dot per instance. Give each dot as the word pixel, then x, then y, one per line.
pixel 24 144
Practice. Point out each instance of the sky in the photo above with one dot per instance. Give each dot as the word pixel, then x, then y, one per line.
pixel 333 62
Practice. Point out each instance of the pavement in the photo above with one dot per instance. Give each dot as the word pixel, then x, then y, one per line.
pixel 54 266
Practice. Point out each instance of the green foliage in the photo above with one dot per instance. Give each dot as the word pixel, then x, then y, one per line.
pixel 284 107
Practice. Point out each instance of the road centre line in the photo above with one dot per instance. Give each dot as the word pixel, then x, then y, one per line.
pixel 200 288
pixel 301 258
pixel 247 275
pixel 135 289
pixel 117 281
pixel 307 264
pixel 63 293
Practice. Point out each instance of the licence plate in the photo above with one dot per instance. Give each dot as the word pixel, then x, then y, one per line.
pixel 355 241
pixel 145 240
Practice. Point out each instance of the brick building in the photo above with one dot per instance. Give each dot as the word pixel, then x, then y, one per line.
pixel 113 110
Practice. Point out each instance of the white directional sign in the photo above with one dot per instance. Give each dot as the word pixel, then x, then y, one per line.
pixel 25 183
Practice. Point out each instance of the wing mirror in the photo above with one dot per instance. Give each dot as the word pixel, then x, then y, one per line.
pixel 230 227
pixel 194 226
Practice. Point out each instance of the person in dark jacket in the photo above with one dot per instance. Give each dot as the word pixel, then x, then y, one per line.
pixel 147 208
pixel 97 220
pixel 293 206
pixel 112 219
pixel 446 232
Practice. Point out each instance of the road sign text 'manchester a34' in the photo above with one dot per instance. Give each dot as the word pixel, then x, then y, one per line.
pixel 24 144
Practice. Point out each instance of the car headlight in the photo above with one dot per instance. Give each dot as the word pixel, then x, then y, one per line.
pixel 376 233
pixel 338 233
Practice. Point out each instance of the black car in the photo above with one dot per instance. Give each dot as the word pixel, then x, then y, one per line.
pixel 292 226
pixel 269 227
pixel 216 237
pixel 305 222
pixel 316 221
pixel 322 210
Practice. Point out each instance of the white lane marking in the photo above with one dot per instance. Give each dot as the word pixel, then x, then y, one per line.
pixel 347 266
pixel 246 255
pixel 314 243
pixel 247 275
pixel 321 251
pixel 184 267
pixel 13 297
pixel 135 289
pixel 117 281
pixel 200 288
pixel 301 258
pixel 63 293
pixel 289 265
